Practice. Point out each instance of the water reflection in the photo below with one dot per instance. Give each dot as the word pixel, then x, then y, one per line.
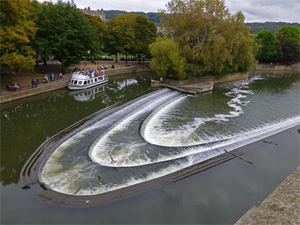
pixel 90 94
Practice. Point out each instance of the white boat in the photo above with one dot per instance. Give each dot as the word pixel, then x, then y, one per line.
pixel 86 79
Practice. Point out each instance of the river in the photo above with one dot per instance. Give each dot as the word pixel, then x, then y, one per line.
pixel 138 139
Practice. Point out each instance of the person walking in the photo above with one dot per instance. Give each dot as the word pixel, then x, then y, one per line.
pixel 46 78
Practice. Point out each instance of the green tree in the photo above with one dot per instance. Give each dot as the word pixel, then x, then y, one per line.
pixel 16 31
pixel 145 33
pixel 120 35
pixel 211 39
pixel 167 61
pixel 65 33
pixel 268 51
pixel 288 44
pixel 99 26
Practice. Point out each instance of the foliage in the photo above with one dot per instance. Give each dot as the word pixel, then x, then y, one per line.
pixel 210 38
pixel 120 34
pixel 129 34
pixel 268 51
pixel 256 27
pixel 16 32
pixel 145 33
pixel 65 33
pixel 288 44
pixel 166 60
pixel 270 26
pixel 98 25
pixel 152 16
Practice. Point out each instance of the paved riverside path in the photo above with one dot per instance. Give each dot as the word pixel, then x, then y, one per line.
pixel 26 91
pixel 282 206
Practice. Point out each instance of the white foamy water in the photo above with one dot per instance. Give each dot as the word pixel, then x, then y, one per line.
pixel 102 150
pixel 80 176
pixel 228 143
pixel 70 181
pixel 155 132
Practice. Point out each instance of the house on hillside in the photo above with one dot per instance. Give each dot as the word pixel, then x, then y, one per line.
pixel 97 12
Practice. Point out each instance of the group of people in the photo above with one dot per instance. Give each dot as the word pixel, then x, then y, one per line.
pixel 92 72
pixel 34 83
pixel 52 77
pixel 13 87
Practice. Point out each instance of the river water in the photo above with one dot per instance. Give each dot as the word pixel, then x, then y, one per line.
pixel 151 134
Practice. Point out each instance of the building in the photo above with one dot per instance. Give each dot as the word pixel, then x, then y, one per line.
pixel 97 12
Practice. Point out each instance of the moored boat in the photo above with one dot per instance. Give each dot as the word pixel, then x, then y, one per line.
pixel 87 79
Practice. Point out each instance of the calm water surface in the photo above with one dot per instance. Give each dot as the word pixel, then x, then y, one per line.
pixel 221 194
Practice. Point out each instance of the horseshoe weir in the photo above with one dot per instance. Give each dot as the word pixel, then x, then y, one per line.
pixel 124 139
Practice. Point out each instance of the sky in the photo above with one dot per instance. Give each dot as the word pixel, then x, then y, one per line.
pixel 254 10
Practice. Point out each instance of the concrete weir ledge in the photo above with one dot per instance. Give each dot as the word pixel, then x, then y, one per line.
pixel 280 207
pixel 198 85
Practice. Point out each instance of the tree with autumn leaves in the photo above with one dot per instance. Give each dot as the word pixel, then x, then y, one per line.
pixel 31 30
pixel 16 33
pixel 212 41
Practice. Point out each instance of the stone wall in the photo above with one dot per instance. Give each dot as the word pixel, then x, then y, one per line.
pixel 231 77
pixel 275 67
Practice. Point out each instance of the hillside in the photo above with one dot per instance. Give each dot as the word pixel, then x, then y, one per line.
pixel 151 15
pixel 271 26
pixel 155 17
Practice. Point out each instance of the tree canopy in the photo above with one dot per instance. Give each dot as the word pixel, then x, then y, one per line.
pixel 268 51
pixel 288 44
pixel 99 26
pixel 129 34
pixel 210 38
pixel 16 31
pixel 167 60
pixel 120 34
pixel 145 33
pixel 65 33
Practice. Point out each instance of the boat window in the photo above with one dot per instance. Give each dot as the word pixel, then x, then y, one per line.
pixel 101 78
pixel 75 82
pixel 80 82
pixel 72 81
pixel 85 82
pixel 96 79
pixel 88 81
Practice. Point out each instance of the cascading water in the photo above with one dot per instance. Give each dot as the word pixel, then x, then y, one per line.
pixel 167 131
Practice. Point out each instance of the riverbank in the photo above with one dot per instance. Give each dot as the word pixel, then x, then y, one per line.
pixel 277 68
pixel 26 90
pixel 280 207
pixel 199 85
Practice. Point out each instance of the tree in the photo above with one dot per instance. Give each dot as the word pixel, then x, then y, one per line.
pixel 145 33
pixel 288 44
pixel 65 33
pixel 98 25
pixel 16 32
pixel 120 35
pixel 167 61
pixel 210 38
pixel 268 51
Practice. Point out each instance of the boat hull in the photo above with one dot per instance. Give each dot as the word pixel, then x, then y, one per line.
pixel 74 87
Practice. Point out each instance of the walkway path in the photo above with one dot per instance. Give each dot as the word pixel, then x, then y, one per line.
pixel 281 207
